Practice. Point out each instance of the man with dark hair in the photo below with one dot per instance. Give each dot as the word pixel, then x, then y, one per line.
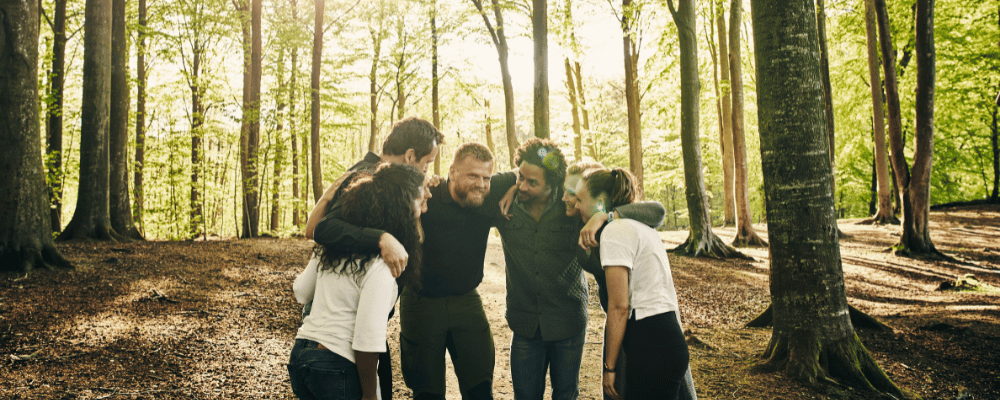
pixel 546 288
pixel 447 313
pixel 412 141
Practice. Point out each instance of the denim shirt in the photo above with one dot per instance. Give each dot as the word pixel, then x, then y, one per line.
pixel 546 287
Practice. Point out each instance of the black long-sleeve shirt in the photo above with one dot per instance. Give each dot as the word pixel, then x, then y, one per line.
pixel 455 237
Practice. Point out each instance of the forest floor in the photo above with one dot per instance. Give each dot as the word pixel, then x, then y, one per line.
pixel 216 319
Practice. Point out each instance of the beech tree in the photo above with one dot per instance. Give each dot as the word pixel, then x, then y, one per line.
pixel 140 116
pixel 726 119
pixel 745 234
pixel 120 206
pixel 317 64
pixel 540 37
pixel 91 219
pixel 701 241
pixel 499 37
pixel 813 339
pixel 913 183
pixel 629 18
pixel 54 112
pixel 25 230
pixel 883 213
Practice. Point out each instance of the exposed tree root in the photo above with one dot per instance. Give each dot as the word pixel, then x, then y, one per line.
pixel 752 240
pixel 90 232
pixel 859 319
pixel 879 220
pixel 32 257
pixel 929 255
pixel 708 245
pixel 803 355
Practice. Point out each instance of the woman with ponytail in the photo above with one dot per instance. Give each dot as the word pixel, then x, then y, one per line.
pixel 352 290
pixel 643 316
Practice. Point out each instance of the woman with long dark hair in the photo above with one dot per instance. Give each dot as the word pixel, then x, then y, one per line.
pixel 643 316
pixel 335 355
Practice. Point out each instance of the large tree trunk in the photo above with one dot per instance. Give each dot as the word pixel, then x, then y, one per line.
pixel 701 241
pixel 813 339
pixel 317 64
pixel 499 37
pixel 915 238
pixel 91 219
pixel 631 57
pixel 726 122
pixel 25 233
pixel 540 35
pixel 54 117
pixel 900 168
pixel 140 116
pixel 575 110
pixel 745 234
pixel 250 184
pixel 883 213
pixel 120 206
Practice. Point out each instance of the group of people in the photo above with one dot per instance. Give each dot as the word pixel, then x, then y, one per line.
pixel 385 230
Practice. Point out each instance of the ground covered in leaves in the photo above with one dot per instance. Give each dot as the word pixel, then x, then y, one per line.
pixel 216 319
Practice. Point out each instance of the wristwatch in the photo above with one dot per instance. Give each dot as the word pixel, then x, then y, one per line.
pixel 608 368
pixel 611 216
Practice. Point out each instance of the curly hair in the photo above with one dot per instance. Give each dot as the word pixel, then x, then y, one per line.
pixel 545 154
pixel 381 201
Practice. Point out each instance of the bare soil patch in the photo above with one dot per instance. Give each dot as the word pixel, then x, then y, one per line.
pixel 216 319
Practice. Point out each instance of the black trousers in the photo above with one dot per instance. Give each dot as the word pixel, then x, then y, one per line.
pixel 657 357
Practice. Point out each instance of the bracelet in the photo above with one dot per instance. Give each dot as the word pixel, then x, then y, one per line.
pixel 608 368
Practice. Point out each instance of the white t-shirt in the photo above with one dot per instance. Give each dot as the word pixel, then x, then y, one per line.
pixel 347 314
pixel 638 247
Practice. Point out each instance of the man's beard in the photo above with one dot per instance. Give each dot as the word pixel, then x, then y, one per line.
pixel 470 197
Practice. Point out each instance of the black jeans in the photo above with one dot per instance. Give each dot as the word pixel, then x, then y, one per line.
pixel 657 357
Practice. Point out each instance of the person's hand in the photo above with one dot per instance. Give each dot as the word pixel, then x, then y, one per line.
pixel 588 235
pixel 330 191
pixel 609 385
pixel 507 201
pixel 434 180
pixel 393 253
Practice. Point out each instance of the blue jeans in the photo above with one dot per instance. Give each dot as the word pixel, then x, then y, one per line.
pixel 530 357
pixel 321 374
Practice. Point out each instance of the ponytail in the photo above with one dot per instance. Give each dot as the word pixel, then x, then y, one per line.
pixel 617 184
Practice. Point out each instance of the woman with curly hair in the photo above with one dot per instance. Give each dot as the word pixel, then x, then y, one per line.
pixel 643 315
pixel 336 350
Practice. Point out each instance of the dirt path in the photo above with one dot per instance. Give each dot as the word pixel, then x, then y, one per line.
pixel 216 319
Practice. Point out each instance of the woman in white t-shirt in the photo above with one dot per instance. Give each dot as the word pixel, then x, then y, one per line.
pixel 336 350
pixel 642 304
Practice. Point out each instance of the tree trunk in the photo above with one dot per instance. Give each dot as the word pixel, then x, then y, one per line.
pixel 701 241
pixel 489 127
pixel 900 169
pixel 317 63
pixel 813 339
pixel 251 189
pixel 577 132
pixel 91 219
pixel 883 213
pixel 373 89
pixel 583 111
pixel 499 37
pixel 196 224
pixel 745 234
pixel 292 119
pixel 140 117
pixel 540 35
pixel 915 239
pixel 54 117
pixel 278 146
pixel 994 136
pixel 631 57
pixel 726 123
pixel 120 206
pixel 435 100
pixel 25 231
pixel 824 62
